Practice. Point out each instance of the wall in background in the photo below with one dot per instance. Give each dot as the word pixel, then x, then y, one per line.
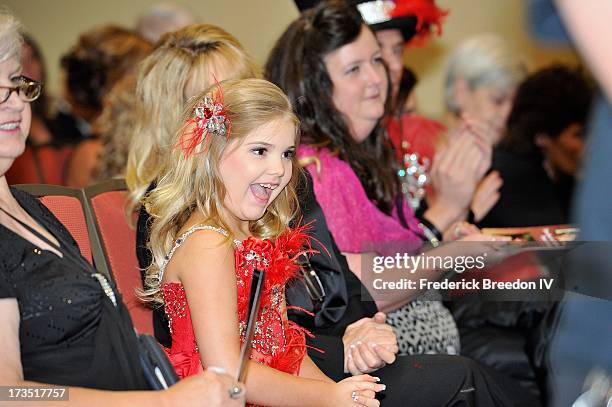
pixel 506 18
pixel 56 24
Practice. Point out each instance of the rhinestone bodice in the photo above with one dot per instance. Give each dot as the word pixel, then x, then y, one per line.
pixel 277 342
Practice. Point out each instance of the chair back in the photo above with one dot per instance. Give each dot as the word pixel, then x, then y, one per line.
pixel 40 165
pixel 117 240
pixel 67 204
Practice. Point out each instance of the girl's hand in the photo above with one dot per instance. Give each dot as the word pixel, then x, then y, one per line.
pixel 356 391
pixel 205 389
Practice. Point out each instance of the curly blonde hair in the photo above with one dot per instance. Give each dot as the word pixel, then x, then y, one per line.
pixel 184 58
pixel 193 183
pixel 115 127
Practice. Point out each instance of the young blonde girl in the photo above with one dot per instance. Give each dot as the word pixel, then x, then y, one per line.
pixel 183 64
pixel 221 210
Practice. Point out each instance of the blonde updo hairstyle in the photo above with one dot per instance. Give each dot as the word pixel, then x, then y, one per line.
pixel 185 57
pixel 193 182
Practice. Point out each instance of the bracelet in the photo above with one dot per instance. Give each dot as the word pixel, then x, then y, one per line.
pixel 431 232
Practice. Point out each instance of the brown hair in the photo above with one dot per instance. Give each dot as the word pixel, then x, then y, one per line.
pixel 98 60
pixel 296 65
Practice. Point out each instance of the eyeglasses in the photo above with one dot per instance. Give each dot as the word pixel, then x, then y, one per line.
pixel 27 89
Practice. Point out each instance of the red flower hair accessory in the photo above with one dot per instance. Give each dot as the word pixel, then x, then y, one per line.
pixel 210 117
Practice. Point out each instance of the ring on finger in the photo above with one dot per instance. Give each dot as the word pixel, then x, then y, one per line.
pixel 456 230
pixel 235 391
pixel 354 396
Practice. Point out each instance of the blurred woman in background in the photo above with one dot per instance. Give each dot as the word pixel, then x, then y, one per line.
pixel 100 58
pixel 540 155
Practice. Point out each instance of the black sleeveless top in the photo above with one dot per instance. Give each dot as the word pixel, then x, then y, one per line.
pixel 70 333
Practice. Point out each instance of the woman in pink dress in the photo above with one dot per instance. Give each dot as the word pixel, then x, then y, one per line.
pixel 330 62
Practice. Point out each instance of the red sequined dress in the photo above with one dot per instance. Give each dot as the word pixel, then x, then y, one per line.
pixel 277 342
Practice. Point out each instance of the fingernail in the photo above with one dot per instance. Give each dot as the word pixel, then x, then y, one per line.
pixel 373 345
pixel 352 346
pixel 358 342
pixel 376 379
pixel 349 356
pixel 383 387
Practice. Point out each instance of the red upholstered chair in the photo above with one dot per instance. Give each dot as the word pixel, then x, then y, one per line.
pixel 40 165
pixel 53 162
pixel 25 169
pixel 67 204
pixel 117 239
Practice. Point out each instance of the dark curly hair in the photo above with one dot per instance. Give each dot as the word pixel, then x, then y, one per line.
pixel 296 65
pixel 547 102
pixel 100 58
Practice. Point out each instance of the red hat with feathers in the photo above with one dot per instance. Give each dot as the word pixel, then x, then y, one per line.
pixel 416 19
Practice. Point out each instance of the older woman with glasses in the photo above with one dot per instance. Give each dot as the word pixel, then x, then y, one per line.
pixel 62 322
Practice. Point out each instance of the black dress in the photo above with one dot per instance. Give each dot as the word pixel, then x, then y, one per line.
pixel 161 328
pixel 528 196
pixel 70 332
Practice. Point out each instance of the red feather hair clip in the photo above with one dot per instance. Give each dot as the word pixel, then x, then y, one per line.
pixel 209 117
